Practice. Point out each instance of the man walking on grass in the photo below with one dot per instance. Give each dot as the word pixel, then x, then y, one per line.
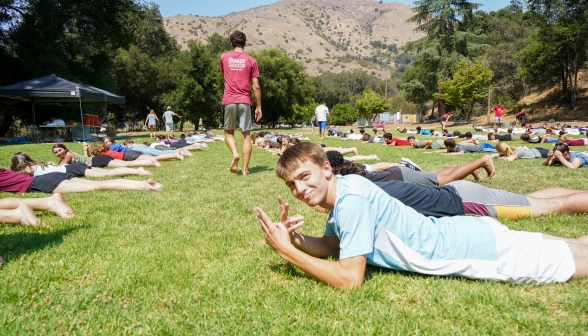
pixel 239 69
pixel 366 225
pixel 321 113
pixel 168 117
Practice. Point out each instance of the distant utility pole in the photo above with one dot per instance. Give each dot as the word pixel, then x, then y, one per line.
pixel 490 89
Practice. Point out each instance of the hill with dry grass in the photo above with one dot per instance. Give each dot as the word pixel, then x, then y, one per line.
pixel 324 35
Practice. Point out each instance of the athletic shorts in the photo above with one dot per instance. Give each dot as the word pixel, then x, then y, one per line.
pixel 48 182
pixel 528 258
pixel 169 127
pixel 544 152
pixel 131 155
pixel 322 125
pixel 482 201
pixel 497 119
pixel 101 160
pixel 422 178
pixel 237 117
pixel 77 169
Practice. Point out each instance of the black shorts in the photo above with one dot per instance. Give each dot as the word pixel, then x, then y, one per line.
pixel 544 152
pixel 101 160
pixel 77 169
pixel 131 155
pixel 48 182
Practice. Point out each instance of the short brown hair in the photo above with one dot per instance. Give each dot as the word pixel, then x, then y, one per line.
pixel 238 39
pixel 294 156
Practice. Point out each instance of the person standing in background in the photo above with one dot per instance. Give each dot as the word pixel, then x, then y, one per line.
pixel 321 113
pixel 239 69
pixel 168 117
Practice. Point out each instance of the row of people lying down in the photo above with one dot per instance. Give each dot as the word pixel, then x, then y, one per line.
pixel 559 155
pixel 365 225
pixel 446 194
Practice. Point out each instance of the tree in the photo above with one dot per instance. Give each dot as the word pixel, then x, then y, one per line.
pixel 370 104
pixel 447 24
pixel 559 49
pixel 468 85
pixel 343 114
pixel 283 84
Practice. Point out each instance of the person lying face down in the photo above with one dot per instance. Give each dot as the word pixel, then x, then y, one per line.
pixel 366 225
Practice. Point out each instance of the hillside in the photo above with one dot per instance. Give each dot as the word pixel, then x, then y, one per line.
pixel 324 35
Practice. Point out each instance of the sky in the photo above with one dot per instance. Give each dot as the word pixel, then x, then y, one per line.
pixel 223 7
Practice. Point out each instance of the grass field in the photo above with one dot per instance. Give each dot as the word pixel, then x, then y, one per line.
pixel 191 259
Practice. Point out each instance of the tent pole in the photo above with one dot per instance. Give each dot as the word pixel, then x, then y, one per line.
pixel 126 126
pixel 33 101
pixel 81 112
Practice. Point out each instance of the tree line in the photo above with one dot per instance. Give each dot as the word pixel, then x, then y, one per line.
pixel 122 46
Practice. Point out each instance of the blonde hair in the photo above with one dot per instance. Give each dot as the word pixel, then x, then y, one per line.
pixel 97 148
pixel 152 112
pixel 503 147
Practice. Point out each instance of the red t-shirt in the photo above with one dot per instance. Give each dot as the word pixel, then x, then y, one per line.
pixel 238 68
pixel 115 155
pixel 498 110
pixel 400 142
pixel 14 182
pixel 575 142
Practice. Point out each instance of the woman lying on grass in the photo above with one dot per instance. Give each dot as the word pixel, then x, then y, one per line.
pixel 66 156
pixel 561 155
pixel 22 163
pixel 507 153
pixel 11 181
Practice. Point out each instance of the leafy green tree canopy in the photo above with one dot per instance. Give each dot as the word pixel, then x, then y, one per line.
pixel 370 103
pixel 343 114
pixel 468 85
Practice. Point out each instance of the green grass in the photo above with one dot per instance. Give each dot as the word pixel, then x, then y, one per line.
pixel 191 259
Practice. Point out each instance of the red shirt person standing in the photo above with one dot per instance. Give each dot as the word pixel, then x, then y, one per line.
pixel 239 69
pixel 498 110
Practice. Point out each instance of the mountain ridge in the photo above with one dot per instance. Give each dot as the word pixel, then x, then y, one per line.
pixel 324 36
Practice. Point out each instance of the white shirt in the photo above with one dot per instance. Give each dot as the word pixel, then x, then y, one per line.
pixel 169 117
pixel 321 112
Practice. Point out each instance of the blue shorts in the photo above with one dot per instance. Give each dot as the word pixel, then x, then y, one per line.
pixel 322 125
pixel 497 119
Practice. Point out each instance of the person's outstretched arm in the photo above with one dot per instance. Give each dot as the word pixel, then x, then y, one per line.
pixel 572 165
pixel 257 94
pixel 343 274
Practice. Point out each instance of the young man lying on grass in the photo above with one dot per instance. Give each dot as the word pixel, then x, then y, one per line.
pixel 366 225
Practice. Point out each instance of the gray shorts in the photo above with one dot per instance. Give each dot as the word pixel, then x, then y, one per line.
pixel 482 201
pixel 237 117
pixel 169 127
pixel 425 179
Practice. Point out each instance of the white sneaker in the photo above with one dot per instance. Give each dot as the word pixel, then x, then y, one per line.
pixel 409 164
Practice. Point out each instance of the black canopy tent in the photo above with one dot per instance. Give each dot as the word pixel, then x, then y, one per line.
pixel 53 90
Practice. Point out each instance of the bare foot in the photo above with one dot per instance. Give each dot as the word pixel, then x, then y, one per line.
pixel 143 171
pixel 27 215
pixel 234 164
pixel 57 205
pixel 375 157
pixel 489 167
pixel 150 184
pixel 355 151
pixel 245 172
pixel 180 156
pixel 476 174
pixel 156 163
pixel 186 153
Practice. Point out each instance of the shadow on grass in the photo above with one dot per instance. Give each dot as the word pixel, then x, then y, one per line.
pixel 259 169
pixel 14 245
pixel 370 272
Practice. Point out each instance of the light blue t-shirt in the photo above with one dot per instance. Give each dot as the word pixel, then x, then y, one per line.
pixel 369 222
pixel 580 156
pixel 424 132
